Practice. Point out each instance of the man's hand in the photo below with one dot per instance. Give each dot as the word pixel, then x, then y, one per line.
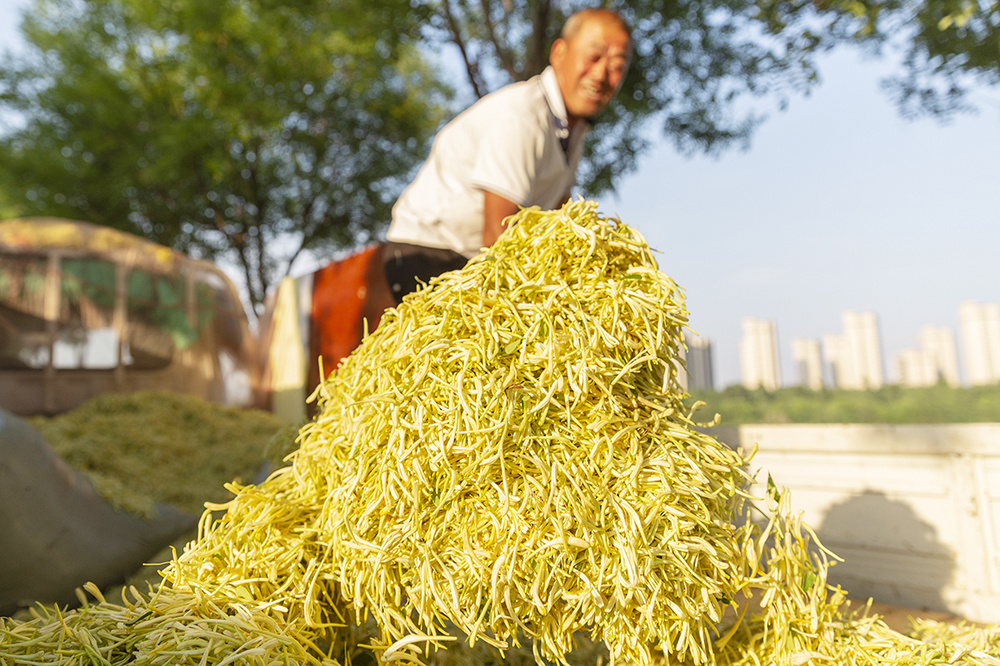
pixel 496 208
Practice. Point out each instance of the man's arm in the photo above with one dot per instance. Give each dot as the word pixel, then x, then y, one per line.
pixel 496 208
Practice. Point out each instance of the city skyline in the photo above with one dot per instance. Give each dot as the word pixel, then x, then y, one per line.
pixel 853 359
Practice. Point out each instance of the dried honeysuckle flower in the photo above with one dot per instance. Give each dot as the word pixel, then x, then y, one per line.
pixel 509 458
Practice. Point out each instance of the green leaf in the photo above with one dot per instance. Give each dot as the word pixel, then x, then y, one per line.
pixel 772 489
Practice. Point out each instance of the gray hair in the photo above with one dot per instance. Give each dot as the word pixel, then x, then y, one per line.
pixel 579 18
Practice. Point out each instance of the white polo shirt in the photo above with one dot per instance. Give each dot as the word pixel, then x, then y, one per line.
pixel 508 142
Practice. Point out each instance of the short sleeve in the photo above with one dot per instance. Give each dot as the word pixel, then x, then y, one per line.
pixel 508 156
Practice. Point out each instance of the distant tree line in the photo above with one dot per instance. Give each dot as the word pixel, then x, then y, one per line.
pixel 890 405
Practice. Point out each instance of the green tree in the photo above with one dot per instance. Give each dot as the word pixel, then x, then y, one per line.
pixel 247 131
pixel 707 71
pixel 947 48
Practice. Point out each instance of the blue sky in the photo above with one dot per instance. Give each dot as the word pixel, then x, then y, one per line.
pixel 839 204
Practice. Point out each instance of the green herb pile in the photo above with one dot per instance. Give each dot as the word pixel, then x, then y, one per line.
pixel 149 447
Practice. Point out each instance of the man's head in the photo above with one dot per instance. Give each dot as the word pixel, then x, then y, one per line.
pixel 590 60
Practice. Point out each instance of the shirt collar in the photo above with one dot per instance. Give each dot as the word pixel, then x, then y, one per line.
pixel 550 86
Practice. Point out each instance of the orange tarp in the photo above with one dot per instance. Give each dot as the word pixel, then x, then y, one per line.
pixel 345 294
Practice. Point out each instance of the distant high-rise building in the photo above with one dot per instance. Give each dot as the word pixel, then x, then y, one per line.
pixel 936 360
pixel 808 361
pixel 915 368
pixel 856 355
pixel 835 355
pixel 759 365
pixel 865 345
pixel 699 364
pixel 939 344
pixel 980 326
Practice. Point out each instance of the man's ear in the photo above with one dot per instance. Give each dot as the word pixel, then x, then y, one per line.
pixel 558 51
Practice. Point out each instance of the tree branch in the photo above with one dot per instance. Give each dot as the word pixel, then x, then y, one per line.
pixel 471 66
pixel 537 55
pixel 502 52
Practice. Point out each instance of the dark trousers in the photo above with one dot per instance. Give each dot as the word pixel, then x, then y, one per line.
pixel 408 265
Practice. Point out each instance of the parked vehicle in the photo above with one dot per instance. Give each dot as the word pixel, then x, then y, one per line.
pixel 86 309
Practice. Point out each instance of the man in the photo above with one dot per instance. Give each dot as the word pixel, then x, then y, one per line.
pixel 517 147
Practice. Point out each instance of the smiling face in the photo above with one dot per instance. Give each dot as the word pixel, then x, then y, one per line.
pixel 590 63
